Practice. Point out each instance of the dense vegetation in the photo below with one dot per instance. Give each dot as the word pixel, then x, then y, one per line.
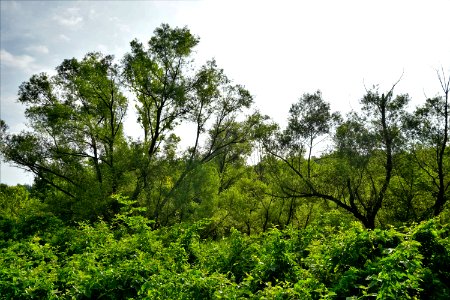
pixel 332 258
pixel 335 206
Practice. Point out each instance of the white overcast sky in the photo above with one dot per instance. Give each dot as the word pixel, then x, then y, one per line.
pixel 277 49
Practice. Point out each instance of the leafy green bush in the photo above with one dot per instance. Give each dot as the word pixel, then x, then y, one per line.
pixel 126 259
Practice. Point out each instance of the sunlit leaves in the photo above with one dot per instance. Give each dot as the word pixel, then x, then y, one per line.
pixel 126 259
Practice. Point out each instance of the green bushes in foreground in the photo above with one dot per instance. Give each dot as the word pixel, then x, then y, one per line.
pixel 125 259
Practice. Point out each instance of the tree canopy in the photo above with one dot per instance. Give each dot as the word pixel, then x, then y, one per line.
pixel 359 164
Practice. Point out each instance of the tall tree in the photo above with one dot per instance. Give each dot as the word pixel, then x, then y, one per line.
pixel 169 93
pixel 76 125
pixel 157 77
pixel 371 142
pixel 214 106
pixel 309 120
pixel 429 129
pixel 350 177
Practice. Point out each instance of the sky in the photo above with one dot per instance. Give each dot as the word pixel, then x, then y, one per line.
pixel 278 50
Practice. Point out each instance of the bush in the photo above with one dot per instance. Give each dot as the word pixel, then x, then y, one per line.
pixel 126 259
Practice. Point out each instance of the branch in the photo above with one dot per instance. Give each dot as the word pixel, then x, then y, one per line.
pixel 308 183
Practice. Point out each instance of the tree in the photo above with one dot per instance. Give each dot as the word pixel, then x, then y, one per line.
pixel 429 132
pixel 170 93
pixel 309 120
pixel 371 149
pixel 228 143
pixel 157 78
pixel 365 146
pixel 76 126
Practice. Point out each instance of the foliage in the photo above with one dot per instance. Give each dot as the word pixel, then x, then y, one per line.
pixel 245 210
pixel 126 259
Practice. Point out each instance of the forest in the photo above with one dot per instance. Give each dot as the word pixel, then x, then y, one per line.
pixel 329 206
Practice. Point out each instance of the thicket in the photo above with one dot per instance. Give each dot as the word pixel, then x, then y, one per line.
pixel 333 258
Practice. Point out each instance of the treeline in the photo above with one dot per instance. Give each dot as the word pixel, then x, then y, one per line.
pixel 383 166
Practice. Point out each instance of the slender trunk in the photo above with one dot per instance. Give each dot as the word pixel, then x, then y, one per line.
pixel 111 143
pixel 291 211
pixel 266 220
pixel 96 161
pixel 441 199
pixel 114 184
pixel 308 216
pixel 197 137
pixel 388 140
pixel 155 135
pixel 309 157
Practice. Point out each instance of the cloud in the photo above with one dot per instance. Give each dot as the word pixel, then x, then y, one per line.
pixel 21 62
pixel 120 25
pixel 38 49
pixel 93 14
pixel 25 63
pixel 10 6
pixel 69 18
pixel 64 37
pixel 124 28
pixel 69 22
